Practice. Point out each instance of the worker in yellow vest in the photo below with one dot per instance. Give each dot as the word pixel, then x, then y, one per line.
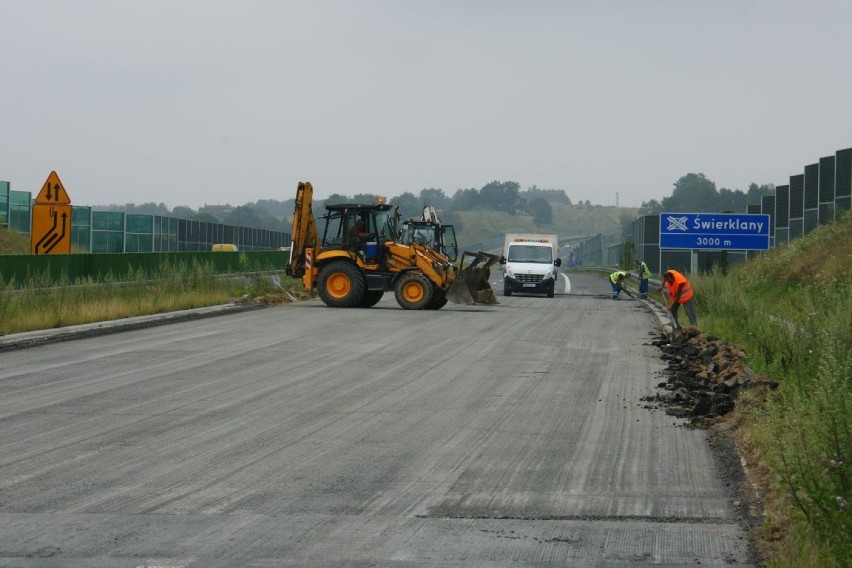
pixel 643 275
pixel 680 293
pixel 617 279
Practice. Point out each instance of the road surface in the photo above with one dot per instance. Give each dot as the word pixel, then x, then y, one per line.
pixel 301 435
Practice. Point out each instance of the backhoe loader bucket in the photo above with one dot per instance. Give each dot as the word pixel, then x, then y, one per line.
pixel 471 284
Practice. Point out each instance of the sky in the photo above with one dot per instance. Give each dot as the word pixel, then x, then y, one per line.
pixel 195 102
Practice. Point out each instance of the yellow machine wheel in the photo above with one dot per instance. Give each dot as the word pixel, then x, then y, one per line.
pixel 413 291
pixel 341 285
pixel 338 285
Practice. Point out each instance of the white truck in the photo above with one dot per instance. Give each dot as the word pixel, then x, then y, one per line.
pixel 529 264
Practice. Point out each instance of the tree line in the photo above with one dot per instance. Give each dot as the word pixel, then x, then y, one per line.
pixel 691 193
pixel 695 193
pixel 277 215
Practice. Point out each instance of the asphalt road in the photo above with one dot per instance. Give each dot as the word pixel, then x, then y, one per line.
pixel 300 435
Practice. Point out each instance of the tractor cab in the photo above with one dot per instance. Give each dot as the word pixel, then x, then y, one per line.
pixel 432 234
pixel 356 227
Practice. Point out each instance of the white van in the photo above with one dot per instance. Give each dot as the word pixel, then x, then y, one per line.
pixel 529 264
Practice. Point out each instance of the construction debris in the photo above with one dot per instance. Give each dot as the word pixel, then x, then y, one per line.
pixel 704 375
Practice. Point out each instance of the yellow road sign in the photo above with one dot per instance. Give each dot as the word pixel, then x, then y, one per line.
pixel 51 232
pixel 52 192
pixel 51 229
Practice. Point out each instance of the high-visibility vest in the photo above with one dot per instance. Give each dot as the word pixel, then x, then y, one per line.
pixel 679 279
pixel 643 268
pixel 614 276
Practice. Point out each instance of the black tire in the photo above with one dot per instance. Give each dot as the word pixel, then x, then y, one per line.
pixel 413 291
pixel 371 298
pixel 439 300
pixel 507 290
pixel 341 285
pixel 550 289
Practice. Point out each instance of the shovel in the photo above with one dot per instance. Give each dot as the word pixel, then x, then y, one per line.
pixel 471 284
pixel 671 315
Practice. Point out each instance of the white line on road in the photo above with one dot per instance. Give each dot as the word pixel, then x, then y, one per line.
pixel 567 283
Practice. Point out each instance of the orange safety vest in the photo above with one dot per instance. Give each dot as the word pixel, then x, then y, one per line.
pixel 678 280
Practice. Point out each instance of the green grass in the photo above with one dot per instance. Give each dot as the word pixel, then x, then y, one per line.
pixel 27 307
pixel 791 311
pixel 12 242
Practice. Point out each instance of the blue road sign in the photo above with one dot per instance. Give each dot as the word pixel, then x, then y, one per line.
pixel 716 231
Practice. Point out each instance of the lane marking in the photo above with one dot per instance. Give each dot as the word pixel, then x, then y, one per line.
pixel 567 283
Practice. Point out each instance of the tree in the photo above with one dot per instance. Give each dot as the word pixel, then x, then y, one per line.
pixel 434 198
pixel 150 208
pixel 696 193
pixel 248 216
pixel 501 196
pixel 628 253
pixel 626 221
pixel 184 212
pixel 692 192
pixel 757 192
pixel 551 195
pixel 540 210
pixel 275 207
pixel 465 199
pixel 408 205
pixel 336 198
pixel 366 198
pixel 652 207
pixel 206 217
pixel 731 200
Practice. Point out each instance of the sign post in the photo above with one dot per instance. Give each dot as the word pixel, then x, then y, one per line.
pixel 714 231
pixel 51 227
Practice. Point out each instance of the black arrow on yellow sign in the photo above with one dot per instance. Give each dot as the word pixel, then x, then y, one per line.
pixel 51 238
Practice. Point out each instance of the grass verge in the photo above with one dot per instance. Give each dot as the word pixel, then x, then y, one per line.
pixel 791 312
pixel 39 303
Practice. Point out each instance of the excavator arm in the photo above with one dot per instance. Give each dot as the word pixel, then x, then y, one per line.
pixel 305 242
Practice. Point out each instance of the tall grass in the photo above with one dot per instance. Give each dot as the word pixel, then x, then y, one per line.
pixel 45 301
pixel 791 311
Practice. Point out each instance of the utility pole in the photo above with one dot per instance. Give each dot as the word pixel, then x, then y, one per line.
pixel 616 200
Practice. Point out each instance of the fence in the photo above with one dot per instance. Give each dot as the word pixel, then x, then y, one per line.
pixel 70 267
pixel 817 196
pixel 117 232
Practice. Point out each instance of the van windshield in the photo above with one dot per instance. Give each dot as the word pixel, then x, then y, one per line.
pixel 527 253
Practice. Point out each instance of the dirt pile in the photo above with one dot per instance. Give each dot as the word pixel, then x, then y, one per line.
pixel 704 375
pixel 274 298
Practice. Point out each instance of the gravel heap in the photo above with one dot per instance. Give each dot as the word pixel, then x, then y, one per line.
pixel 704 375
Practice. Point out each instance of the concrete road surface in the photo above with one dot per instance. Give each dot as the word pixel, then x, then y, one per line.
pixel 302 435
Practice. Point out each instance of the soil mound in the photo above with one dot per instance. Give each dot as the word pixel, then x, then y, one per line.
pixel 704 375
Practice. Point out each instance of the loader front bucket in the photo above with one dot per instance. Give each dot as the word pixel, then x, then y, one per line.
pixel 471 285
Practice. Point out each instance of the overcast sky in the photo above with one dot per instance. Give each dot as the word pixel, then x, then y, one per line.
pixel 193 102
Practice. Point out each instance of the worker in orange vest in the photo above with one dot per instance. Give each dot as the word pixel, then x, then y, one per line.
pixel 680 293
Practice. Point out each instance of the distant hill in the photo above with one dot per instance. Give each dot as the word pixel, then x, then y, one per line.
pixel 568 221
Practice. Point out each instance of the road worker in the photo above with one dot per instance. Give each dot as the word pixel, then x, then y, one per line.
pixel 643 274
pixel 680 293
pixel 617 279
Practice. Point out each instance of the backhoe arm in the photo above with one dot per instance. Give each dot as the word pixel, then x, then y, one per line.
pixel 304 245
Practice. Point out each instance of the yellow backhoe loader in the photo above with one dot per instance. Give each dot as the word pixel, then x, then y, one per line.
pixel 362 254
